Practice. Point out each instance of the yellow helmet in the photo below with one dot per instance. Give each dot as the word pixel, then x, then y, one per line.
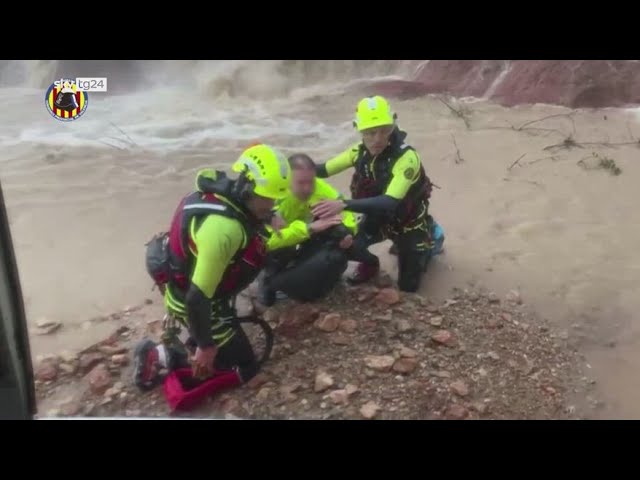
pixel 267 168
pixel 373 112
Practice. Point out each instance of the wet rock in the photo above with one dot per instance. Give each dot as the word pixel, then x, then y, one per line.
pixel 369 410
pixel 403 326
pixel 112 349
pixel 120 360
pixel 46 327
pixel 271 316
pixel 99 379
pixel 459 388
pixel 493 356
pixel 323 381
pixel 492 297
pixel 154 327
pixel 88 408
pixel 364 294
pixel 444 337
pixel 480 407
pixel 302 313
pixel 263 394
pixel 48 358
pixel 514 297
pixel 351 389
pixel 339 397
pixel 349 325
pixel 388 296
pixel 68 357
pixel 229 405
pixel 384 281
pixel 456 412
pixel 47 371
pixel 90 360
pixel 408 352
pixel 405 365
pixel 436 321
pixel 71 408
pixel 329 323
pixel 340 339
pixel 45 323
pixel 474 297
pixel 287 392
pixel 449 302
pixel 69 368
pixel 379 363
pixel 493 323
pixel 386 317
pixel 114 391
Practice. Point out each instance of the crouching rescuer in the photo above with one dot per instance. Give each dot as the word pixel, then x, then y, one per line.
pixel 390 187
pixel 308 255
pixel 215 248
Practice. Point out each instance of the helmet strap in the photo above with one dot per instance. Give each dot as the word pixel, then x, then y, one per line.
pixel 243 187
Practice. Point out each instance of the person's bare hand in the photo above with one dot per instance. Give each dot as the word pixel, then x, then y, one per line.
pixel 327 208
pixel 324 223
pixel 202 362
pixel 346 242
pixel 278 223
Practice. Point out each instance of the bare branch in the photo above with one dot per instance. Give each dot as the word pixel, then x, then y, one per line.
pixel 569 115
pixel 532 182
pixel 458 158
pixel 516 162
pixel 541 159
pixel 125 135
pixel 458 112
pixel 112 146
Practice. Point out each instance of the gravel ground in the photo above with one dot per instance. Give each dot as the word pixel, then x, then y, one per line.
pixel 364 352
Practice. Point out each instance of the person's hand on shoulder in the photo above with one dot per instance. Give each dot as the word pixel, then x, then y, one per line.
pixel 277 223
pixel 346 242
pixel 328 208
pixel 323 224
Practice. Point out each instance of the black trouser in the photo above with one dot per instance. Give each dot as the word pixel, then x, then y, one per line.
pixel 234 349
pixel 308 272
pixel 238 353
pixel 413 244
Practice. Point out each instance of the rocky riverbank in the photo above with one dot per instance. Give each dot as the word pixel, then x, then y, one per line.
pixel 368 352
